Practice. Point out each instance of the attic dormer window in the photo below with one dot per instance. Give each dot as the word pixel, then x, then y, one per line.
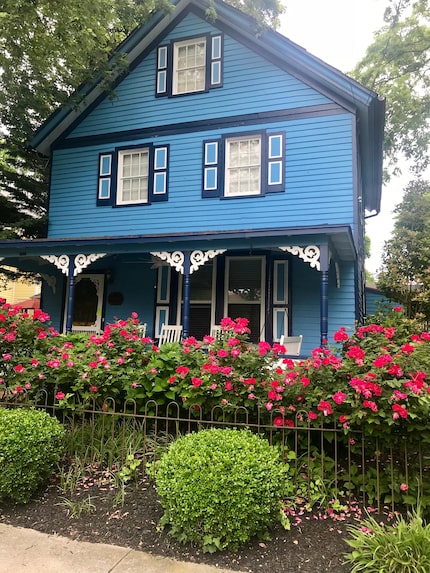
pixel 188 66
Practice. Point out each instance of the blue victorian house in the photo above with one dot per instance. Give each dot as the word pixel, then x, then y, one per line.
pixel 230 175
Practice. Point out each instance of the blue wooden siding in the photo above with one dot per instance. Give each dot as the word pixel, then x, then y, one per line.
pixel 319 186
pixel 245 72
pixel 136 281
pixel 305 302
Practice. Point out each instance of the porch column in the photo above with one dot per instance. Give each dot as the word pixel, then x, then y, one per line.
pixel 186 294
pixel 324 262
pixel 70 294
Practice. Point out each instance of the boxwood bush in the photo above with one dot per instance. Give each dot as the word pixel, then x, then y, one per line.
pixel 220 487
pixel 31 444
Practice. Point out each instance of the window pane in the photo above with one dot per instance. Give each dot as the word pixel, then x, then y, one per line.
pixel 133 180
pixel 190 66
pixel 243 171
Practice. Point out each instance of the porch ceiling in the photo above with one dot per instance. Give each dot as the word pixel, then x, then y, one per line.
pixel 339 238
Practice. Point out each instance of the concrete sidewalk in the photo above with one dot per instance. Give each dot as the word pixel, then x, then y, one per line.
pixel 28 551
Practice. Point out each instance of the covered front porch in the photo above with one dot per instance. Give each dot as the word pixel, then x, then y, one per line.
pixel 283 283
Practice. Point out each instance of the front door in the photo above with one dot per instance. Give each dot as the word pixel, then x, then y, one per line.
pixel 245 293
pixel 88 306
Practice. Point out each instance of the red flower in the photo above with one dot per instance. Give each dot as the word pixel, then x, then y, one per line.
pixel 94 389
pixel 196 382
pixel 339 397
pixel 398 308
pixel 341 335
pixel 278 421
pixel 325 407
pixel 399 410
pixel 60 396
pixel 19 368
pixel 371 405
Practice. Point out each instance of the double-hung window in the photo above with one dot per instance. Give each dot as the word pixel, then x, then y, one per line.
pixel 133 176
pixel 189 66
pixel 244 165
pixel 133 173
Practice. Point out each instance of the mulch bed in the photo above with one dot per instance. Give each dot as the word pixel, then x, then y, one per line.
pixel 314 545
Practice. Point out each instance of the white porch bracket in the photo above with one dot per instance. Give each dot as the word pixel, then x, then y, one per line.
pixel 197 258
pixel 310 254
pixel 81 262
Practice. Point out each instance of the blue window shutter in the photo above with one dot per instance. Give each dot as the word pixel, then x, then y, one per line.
pixel 105 177
pixel 275 162
pixel 211 168
pixel 216 61
pixel 160 168
pixel 163 63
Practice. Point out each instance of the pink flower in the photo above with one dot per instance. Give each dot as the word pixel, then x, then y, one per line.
pixel 404 487
pixel 7 357
pixel 172 379
pixel 196 382
pixel 312 415
pixel 60 396
pixel 398 308
pixel 339 397
pixel 222 353
pixel 305 381
pixel 182 371
pixel 371 405
pixel 34 362
pixel 399 411
pixel 134 315
pixel 19 368
pixel 325 407
pixel 340 335
pixel 228 385
pixel 94 389
pixel 92 364
pixel 278 421
pixel 42 334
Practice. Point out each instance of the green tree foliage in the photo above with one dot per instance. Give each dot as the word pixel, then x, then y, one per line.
pixel 397 66
pixel 405 277
pixel 47 49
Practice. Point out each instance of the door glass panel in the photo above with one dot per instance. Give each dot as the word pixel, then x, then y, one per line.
pixel 244 292
pixel 86 302
pixel 244 280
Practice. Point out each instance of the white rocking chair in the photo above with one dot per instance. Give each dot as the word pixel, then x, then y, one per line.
pixel 170 333
pixel 293 344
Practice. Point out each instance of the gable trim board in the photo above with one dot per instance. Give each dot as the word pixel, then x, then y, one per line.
pixel 322 110
pixel 297 61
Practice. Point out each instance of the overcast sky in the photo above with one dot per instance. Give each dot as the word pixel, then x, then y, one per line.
pixel 338 32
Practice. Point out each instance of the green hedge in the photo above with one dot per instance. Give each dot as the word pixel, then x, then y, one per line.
pixel 31 444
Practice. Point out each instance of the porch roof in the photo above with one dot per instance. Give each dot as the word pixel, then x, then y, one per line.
pixel 339 238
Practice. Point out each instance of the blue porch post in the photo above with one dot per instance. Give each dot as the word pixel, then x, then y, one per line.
pixel 71 294
pixel 324 266
pixel 186 294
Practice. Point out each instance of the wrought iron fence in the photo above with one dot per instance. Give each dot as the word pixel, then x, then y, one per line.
pixel 343 463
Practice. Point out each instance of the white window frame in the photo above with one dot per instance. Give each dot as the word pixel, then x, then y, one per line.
pixel 120 178
pixel 181 44
pixel 229 168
